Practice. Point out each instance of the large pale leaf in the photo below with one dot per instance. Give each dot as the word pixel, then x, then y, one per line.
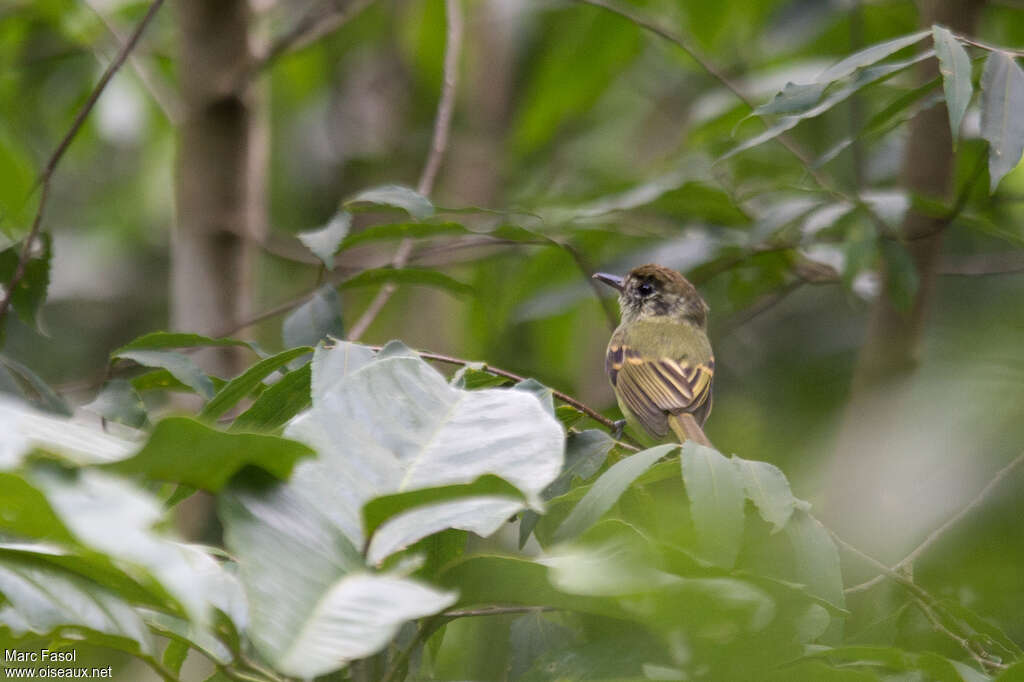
pixel 607 489
pixel 1002 100
pixel 715 489
pixel 310 618
pixel 49 601
pixel 395 425
pixel 22 428
pixel 333 362
pixel 955 65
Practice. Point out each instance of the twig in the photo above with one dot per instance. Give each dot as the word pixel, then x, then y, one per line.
pixel 981 658
pixel 51 165
pixel 310 28
pixel 694 53
pixel 607 307
pixel 165 99
pixel 983 265
pixel 438 144
pixel 934 536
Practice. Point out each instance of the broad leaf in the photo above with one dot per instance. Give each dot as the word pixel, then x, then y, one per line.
pixel 165 340
pixel 1002 100
pixel 28 297
pixel 333 362
pixel 816 561
pixel 955 65
pixel 326 241
pixel 392 196
pixel 412 276
pixel 119 402
pixel 792 99
pixel 242 385
pixel 33 388
pixel 715 488
pixel 868 56
pixel 314 320
pixel 180 366
pixel 766 486
pixel 183 450
pixel 607 490
pixel 310 622
pixel 22 429
pixel 277 404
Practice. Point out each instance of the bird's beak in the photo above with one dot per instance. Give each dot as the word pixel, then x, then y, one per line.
pixel 611 280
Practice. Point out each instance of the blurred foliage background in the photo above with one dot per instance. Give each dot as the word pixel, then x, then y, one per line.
pixel 581 126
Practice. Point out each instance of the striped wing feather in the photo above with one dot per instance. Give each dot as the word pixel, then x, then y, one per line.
pixel 653 388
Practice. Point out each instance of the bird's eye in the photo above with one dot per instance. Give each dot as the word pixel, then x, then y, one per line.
pixel 645 289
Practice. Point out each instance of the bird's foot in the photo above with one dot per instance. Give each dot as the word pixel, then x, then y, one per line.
pixel 617 429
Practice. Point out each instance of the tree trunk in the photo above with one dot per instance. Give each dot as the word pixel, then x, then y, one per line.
pixel 889 354
pixel 209 265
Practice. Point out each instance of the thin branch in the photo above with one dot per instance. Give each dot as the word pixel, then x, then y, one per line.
pixel 607 307
pixel 934 536
pixel 51 165
pixel 165 99
pixel 984 265
pixel 980 657
pixel 823 181
pixel 327 18
pixel 439 142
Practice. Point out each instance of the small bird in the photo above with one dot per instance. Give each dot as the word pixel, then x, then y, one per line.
pixel 659 359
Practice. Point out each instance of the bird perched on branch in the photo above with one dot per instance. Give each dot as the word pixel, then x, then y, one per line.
pixel 659 358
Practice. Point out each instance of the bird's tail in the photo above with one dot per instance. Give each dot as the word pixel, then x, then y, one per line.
pixel 686 428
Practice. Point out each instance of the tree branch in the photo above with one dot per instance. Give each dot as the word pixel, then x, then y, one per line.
pixel 439 142
pixel 329 17
pixel 934 536
pixel 51 165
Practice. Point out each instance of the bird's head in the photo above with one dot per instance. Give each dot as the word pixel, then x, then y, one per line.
pixel 652 291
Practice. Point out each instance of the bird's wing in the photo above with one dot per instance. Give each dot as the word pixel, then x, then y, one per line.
pixel 655 387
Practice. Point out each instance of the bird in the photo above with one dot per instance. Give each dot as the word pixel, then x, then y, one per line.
pixel 659 359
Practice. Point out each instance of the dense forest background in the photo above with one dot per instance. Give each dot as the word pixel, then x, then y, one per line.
pixel 838 177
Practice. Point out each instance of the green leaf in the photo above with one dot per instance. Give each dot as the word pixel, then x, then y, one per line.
pixel 902 280
pixel 766 486
pixel 33 388
pixel 544 394
pixel 489 579
pixel 164 340
pixel 183 450
pixel 118 402
pixel 1002 100
pixel 392 196
pixel 380 509
pixel 412 276
pixel 242 385
pixel 30 294
pixel 993 638
pixel 955 66
pixel 183 632
pixel 585 452
pixel 277 404
pixel 49 601
pixel 585 51
pixel 326 241
pixel 868 56
pixel 180 366
pixel 174 655
pixel 715 488
pixel 311 622
pixel 1015 673
pixel 391 231
pixel 472 377
pixel 792 99
pixel 316 319
pixel 789 122
pixel 607 490
pixel 816 560
pixel 533 635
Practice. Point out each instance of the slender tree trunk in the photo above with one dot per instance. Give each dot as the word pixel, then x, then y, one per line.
pixel 209 258
pixel 221 171
pixel 889 354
